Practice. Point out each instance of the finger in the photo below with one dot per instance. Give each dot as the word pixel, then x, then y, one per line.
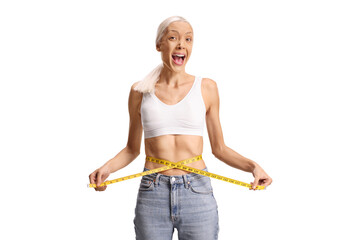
pixel 98 179
pixel 268 182
pixel 255 183
pixel 251 188
pixel 91 178
pixel 102 188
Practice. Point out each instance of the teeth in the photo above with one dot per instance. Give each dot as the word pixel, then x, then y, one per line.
pixel 179 55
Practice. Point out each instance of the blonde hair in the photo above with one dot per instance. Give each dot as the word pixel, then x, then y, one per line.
pixel 147 84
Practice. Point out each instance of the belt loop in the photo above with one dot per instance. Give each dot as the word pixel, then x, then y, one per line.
pixel 157 179
pixel 186 182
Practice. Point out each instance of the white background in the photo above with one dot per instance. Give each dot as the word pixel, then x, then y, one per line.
pixel 287 74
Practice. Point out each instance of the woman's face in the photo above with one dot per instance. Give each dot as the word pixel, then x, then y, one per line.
pixel 176 45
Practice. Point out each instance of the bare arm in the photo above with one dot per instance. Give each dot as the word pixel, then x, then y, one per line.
pixel 219 149
pixel 132 148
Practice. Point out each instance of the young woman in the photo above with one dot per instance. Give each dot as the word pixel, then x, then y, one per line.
pixel 172 107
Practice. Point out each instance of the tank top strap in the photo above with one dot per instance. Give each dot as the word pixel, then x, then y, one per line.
pixel 198 83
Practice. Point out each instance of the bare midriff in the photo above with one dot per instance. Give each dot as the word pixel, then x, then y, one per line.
pixel 174 148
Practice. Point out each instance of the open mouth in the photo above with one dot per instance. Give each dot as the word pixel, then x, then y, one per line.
pixel 178 59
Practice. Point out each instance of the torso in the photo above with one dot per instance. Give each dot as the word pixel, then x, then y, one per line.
pixel 174 147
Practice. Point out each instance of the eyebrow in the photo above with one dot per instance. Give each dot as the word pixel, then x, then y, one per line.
pixel 178 32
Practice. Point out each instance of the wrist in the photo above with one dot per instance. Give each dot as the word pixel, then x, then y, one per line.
pixel 107 167
pixel 254 166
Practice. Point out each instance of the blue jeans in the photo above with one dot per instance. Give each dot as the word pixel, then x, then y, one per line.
pixel 185 202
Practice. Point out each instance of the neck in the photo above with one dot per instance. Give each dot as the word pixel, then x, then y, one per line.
pixel 172 78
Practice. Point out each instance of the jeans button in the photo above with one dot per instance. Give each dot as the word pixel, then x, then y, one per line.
pixel 172 180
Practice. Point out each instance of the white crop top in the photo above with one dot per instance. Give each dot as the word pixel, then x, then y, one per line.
pixel 187 117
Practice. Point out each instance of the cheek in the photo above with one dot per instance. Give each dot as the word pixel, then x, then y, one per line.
pixel 189 50
pixel 189 46
pixel 166 49
pixel 165 57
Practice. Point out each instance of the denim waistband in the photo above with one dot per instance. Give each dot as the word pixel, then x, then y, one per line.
pixel 185 178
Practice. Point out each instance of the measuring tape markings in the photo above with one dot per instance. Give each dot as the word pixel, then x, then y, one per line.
pixel 179 165
pixel 201 172
pixel 170 165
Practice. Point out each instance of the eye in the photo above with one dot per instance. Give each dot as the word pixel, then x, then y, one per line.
pixel 172 37
pixel 188 39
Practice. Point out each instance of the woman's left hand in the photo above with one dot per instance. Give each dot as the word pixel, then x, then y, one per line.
pixel 261 178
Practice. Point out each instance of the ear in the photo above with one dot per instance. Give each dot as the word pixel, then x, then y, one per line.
pixel 158 48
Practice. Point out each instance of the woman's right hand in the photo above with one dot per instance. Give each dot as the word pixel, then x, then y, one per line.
pixel 98 177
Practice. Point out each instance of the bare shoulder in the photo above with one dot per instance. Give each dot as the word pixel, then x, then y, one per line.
pixel 209 83
pixel 133 91
pixel 210 92
pixel 134 85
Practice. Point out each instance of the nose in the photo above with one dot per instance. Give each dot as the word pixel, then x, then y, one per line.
pixel 180 44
